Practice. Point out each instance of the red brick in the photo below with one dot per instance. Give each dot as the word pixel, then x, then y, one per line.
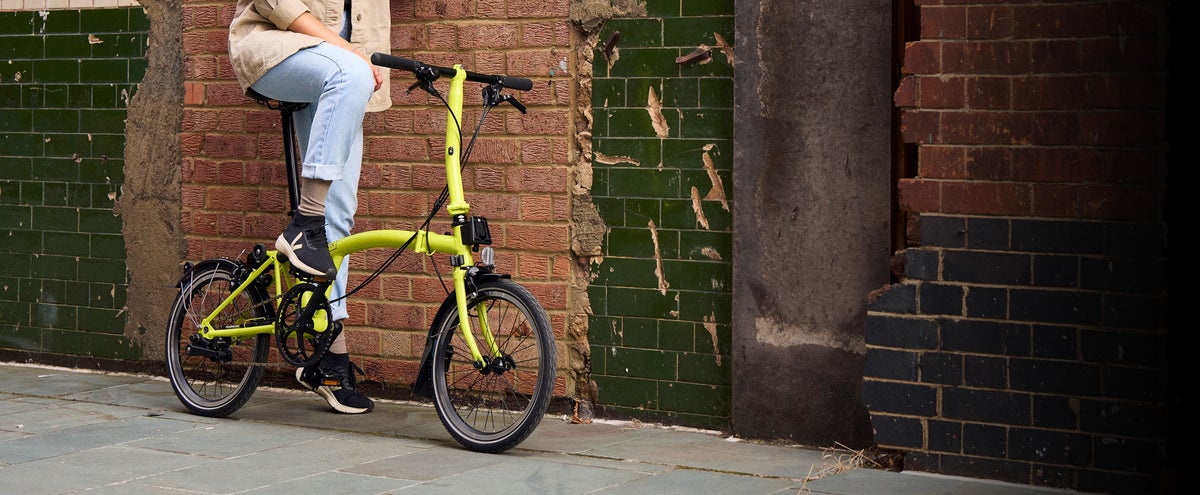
pixel 1057 165
pixel 495 207
pixel 397 148
pixel 442 36
pixel 1054 56
pixel 551 295
pixel 194 43
pixel 986 198
pixel 537 151
pixel 921 127
pixel 190 143
pixel 1050 93
pixel 486 178
pixel 942 92
pixel 1122 129
pixel 941 22
pixel 193 93
pixel 217 41
pixel 488 36
pixel 1076 20
pixel 548 122
pixel 201 16
pixel 986 128
pixel 533 63
pixel 906 92
pixel 395 315
pixel 989 22
pixel 988 163
pixel 490 8
pixel 1128 92
pixel 192 196
pixel 919 195
pixel 1136 18
pixel 538 179
pixel 1055 200
pixel 985 57
pixel 428 177
pixel 544 9
pixel 497 151
pixel 922 57
pixel 443 9
pixel 942 162
pixel 536 237
pixel 545 33
pixel 536 208
pixel 229 172
pixel 1122 55
pixel 1126 166
pixel 989 93
pixel 392 176
pixel 1056 128
pixel 397 203
pixel 225 94
pixel 398 120
pixel 1120 203
pixel 532 266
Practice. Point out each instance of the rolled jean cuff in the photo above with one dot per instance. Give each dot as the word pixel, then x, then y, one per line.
pixel 322 172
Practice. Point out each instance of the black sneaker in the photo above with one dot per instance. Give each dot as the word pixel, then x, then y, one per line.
pixel 333 379
pixel 303 241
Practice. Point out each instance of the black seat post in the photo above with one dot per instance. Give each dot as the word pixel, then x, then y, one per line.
pixel 289 155
pixel 287 109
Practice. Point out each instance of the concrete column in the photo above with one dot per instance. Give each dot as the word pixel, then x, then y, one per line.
pixel 812 184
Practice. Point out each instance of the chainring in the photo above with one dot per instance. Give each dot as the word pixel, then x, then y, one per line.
pixel 300 343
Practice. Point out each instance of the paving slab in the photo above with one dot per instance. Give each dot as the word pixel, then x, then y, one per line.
pixel 65 431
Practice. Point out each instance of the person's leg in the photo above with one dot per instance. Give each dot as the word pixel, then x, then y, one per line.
pixel 337 84
pixel 334 377
pixel 341 202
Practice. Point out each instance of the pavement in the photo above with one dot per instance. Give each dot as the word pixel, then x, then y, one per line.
pixel 70 431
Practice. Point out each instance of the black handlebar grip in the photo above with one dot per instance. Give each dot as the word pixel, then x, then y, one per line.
pixel 518 83
pixel 392 61
pixel 401 63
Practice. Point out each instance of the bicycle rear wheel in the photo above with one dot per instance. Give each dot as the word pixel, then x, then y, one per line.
pixel 494 408
pixel 215 377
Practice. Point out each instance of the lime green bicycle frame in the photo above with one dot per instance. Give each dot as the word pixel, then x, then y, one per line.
pixel 423 242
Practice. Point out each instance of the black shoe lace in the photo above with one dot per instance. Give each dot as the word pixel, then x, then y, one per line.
pixel 354 369
pixel 316 236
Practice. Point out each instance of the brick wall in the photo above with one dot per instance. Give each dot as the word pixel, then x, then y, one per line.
pixel 1026 339
pixel 234 191
pixel 662 159
pixel 65 84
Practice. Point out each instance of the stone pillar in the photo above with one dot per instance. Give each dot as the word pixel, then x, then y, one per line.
pixel 812 187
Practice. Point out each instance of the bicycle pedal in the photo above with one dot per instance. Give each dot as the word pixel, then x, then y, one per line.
pixel 307 277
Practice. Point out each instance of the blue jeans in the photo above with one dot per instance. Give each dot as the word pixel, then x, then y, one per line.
pixel 337 85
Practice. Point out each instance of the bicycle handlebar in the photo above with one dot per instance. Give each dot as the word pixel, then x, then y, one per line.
pixel 410 65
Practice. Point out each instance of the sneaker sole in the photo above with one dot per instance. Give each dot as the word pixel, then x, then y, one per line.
pixel 284 247
pixel 338 406
pixel 327 394
pixel 299 372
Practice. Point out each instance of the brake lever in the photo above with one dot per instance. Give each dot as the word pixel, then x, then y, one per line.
pixel 425 77
pixel 492 97
pixel 514 102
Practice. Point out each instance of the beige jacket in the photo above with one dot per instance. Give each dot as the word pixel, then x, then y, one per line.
pixel 259 39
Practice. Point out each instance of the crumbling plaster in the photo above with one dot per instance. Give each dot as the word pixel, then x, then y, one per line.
pixel 587 228
pixel 149 203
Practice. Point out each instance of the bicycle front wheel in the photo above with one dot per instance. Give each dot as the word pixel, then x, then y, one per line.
pixel 215 377
pixel 495 407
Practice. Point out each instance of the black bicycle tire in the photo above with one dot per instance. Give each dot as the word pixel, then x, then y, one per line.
pixel 182 384
pixel 533 411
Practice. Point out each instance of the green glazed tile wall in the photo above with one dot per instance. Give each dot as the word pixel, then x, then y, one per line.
pixel 65 81
pixel 660 334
